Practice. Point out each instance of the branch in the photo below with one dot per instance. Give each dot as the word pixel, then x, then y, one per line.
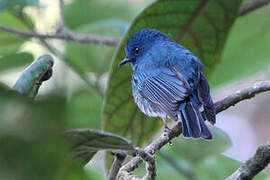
pixel 255 4
pixel 119 158
pixel 254 165
pixel 221 105
pixel 33 76
pixel 241 95
pixel 150 164
pixel 67 35
pixel 61 9
pixel 187 172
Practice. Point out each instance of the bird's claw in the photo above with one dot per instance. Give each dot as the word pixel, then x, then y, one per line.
pixel 167 130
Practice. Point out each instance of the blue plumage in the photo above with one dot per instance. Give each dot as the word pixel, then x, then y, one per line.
pixel 168 82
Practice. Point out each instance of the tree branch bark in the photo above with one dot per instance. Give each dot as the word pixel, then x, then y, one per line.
pixel 119 158
pixel 254 165
pixel 68 35
pixel 244 10
pixel 165 137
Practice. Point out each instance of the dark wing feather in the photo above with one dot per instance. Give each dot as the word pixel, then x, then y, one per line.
pixel 206 100
pixel 166 90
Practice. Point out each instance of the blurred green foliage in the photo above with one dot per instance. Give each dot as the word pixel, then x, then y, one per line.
pixel 11 3
pixel 14 60
pixel 246 47
pixel 84 110
pixel 31 133
pixel 32 146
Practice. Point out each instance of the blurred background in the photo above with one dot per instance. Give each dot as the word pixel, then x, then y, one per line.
pixel 245 60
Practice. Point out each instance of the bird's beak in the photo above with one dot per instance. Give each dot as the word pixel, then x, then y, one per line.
pixel 124 61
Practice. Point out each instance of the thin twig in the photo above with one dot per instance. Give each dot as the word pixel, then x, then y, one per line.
pixel 119 158
pixel 61 13
pixel 150 164
pixel 164 138
pixel 66 35
pixel 254 165
pixel 241 95
pixel 187 172
pixel 245 9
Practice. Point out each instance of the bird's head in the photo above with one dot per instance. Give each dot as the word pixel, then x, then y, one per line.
pixel 139 45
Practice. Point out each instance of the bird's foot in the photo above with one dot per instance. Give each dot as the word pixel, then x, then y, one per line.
pixel 167 130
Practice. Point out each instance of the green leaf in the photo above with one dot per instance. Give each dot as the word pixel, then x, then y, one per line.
pixel 195 151
pixel 220 167
pixel 247 51
pixel 32 146
pixel 199 25
pixel 11 3
pixel 86 142
pixel 83 12
pixel 30 80
pixel 16 60
pixel 10 43
pixel 90 57
pixel 84 109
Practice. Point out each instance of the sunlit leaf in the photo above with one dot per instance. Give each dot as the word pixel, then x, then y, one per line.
pixel 86 142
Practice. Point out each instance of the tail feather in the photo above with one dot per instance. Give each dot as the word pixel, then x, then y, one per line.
pixel 204 96
pixel 193 124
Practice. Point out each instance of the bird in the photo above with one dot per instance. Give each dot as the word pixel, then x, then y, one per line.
pixel 168 82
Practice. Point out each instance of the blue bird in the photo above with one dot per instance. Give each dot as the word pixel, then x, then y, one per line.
pixel 168 82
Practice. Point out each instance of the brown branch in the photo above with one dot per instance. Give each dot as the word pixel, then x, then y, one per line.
pixel 254 165
pixel 165 137
pixel 150 164
pixel 68 35
pixel 119 158
pixel 245 9
pixel 241 95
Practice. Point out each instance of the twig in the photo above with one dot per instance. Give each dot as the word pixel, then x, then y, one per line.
pixel 254 165
pixel 187 172
pixel 119 158
pixel 150 164
pixel 164 138
pixel 66 35
pixel 61 16
pixel 245 9
pixel 241 95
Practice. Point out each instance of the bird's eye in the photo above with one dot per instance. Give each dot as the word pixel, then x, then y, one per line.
pixel 136 50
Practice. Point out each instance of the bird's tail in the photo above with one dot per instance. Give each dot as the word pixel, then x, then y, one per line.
pixel 193 124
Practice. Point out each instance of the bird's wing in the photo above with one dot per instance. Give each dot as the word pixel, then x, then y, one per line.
pixel 166 89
